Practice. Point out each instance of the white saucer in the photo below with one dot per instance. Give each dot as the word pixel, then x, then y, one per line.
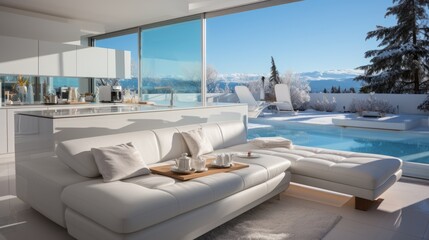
pixel 245 155
pixel 177 170
pixel 203 170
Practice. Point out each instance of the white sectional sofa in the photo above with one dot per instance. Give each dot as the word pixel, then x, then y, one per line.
pixel 149 206
pixel 158 207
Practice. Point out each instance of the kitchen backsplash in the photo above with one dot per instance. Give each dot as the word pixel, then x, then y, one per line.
pixel 17 89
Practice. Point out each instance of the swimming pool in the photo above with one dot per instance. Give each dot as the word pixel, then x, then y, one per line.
pixel 410 147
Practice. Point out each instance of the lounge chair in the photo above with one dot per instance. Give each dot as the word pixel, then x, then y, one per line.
pixel 255 107
pixel 283 100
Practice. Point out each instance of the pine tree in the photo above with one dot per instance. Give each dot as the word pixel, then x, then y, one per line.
pixel 424 106
pixel 401 65
pixel 325 91
pixel 273 80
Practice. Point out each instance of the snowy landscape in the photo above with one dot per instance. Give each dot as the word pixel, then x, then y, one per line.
pixel 318 80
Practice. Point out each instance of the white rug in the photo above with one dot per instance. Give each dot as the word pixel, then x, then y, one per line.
pixel 275 220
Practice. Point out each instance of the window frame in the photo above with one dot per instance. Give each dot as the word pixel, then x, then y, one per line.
pixel 203 16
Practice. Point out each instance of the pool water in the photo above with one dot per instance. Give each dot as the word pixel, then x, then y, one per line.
pixel 410 147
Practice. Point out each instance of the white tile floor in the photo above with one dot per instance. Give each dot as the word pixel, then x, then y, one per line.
pixel 404 213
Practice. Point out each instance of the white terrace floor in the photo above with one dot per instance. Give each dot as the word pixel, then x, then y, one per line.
pixel 403 215
pixel 325 118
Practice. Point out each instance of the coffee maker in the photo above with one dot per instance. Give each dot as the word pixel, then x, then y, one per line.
pixel 63 94
pixel 110 94
pixel 116 94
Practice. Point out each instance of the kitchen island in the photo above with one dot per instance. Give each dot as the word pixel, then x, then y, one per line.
pixel 9 124
pixel 45 128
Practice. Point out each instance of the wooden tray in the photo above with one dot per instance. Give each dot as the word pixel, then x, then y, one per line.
pixel 165 170
pixel 78 103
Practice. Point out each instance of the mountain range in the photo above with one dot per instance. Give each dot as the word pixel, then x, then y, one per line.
pixel 318 80
pixel 334 78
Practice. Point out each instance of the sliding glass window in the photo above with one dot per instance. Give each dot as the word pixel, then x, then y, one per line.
pixel 171 61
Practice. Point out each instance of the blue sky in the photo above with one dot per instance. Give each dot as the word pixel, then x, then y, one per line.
pixel 302 36
pixel 311 35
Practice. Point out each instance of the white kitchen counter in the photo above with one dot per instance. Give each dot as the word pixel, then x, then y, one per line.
pixel 99 110
pixel 9 124
pixel 46 106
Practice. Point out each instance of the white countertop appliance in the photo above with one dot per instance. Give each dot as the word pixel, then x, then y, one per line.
pixel 63 94
pixel 111 94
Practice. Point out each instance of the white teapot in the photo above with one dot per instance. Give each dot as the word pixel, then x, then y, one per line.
pixel 184 163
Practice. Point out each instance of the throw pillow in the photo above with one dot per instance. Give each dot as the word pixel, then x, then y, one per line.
pixel 197 142
pixel 119 162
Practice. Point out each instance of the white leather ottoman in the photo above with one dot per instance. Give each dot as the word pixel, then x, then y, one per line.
pixel 365 176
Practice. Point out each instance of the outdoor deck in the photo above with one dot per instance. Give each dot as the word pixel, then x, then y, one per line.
pixel 388 122
pixel 413 123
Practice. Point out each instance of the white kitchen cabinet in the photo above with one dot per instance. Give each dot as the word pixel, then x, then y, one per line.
pixel 127 65
pixel 92 62
pixel 20 126
pixel 119 64
pixel 18 56
pixel 3 131
pixel 56 59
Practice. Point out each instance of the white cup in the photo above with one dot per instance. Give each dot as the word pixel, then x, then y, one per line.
pixel 200 164
pixel 219 159
pixel 228 159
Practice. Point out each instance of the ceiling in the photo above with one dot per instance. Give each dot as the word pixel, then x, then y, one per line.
pixel 114 15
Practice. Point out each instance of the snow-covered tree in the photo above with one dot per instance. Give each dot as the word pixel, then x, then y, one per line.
pixel 273 80
pixel 371 104
pixel 401 64
pixel 324 105
pixel 424 106
pixel 299 89
pixel 211 75
pixel 254 88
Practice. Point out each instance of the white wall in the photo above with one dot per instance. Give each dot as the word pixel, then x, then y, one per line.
pixel 407 102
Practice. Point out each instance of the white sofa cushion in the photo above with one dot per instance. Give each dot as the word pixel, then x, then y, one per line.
pixel 124 207
pixel 136 203
pixel 271 142
pixel 40 182
pixel 171 143
pixel 77 153
pixel 119 162
pixel 120 206
pixel 214 134
pixel 155 146
pixel 151 180
pixel 233 133
pixel 197 142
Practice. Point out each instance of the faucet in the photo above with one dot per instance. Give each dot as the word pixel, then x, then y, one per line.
pixel 171 94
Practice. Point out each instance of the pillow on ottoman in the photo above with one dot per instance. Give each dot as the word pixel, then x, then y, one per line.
pixel 119 162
